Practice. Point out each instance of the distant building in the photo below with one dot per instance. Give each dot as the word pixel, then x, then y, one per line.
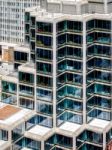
pixel 12 19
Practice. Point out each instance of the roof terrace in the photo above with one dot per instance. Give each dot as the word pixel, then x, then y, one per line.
pixel 11 116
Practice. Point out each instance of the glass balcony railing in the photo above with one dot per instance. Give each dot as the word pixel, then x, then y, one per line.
pixel 104 40
pixel 67 116
pixel 99 39
pixel 91 137
pixel 44 95
pixel 44 28
pixel 68 104
pixel 102 114
pixel 41 44
pixel 69 26
pixel 59 140
pixel 26 93
pixel 27 143
pixel 44 108
pixel 9 99
pixel 62 68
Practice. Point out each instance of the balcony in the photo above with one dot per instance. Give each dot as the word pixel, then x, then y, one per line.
pixel 27 144
pixel 99 63
pixel 69 39
pixel 69 78
pixel 68 116
pixel 26 91
pixel 100 38
pixel 99 102
pixel 99 76
pixel 44 68
pixel 69 65
pixel 103 40
pixel 99 50
pixel 99 25
pixel 91 137
pixel 68 104
pixel 100 114
pixel 44 41
pixel 45 55
pixel 69 26
pixel 9 99
pixel 8 87
pixel 57 139
pixel 44 81
pixel 44 28
pixel 44 95
pixel 69 91
pixel 99 89
pixel 43 45
pixel 44 108
pixel 26 78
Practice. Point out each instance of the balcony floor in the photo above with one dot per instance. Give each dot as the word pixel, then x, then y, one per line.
pixel 38 132
pixel 70 127
pixel 99 123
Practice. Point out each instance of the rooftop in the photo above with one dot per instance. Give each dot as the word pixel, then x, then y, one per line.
pixel 44 15
pixel 13 116
pixel 7 111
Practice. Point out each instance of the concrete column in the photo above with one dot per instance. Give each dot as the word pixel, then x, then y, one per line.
pixel 105 7
pixel 104 141
pixel 61 7
pixel 23 127
pixel 74 143
pixel 78 9
pixel 54 74
pixel 35 96
pixel 18 91
pixel 42 145
pixel 9 136
pixel 84 72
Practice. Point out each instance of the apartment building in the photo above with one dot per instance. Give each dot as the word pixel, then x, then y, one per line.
pixel 12 19
pixel 66 82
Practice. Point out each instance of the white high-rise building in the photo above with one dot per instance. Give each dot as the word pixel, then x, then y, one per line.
pixel 12 19
pixel 56 90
